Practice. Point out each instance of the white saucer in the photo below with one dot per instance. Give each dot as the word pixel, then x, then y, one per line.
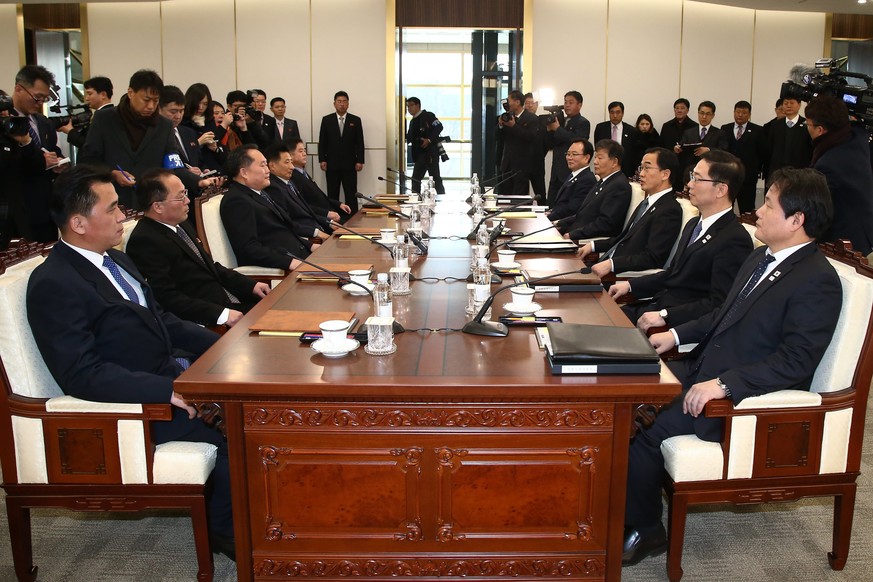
pixel 353 289
pixel 348 345
pixel 528 309
pixel 385 242
pixel 505 266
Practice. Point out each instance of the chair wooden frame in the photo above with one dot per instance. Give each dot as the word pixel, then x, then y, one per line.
pixel 787 433
pixel 83 467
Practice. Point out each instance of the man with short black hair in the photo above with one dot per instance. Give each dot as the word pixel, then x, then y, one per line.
pixel 581 180
pixel 604 208
pixel 286 128
pixel 619 132
pixel 744 141
pixel 266 123
pixel 672 131
pixel 539 150
pixel 648 237
pixel 699 140
pixel 561 134
pixel 185 279
pixel 788 142
pixel 244 129
pixel 341 151
pixel 104 337
pixel 39 153
pixel 98 94
pixel 711 248
pixel 423 137
pixel 841 151
pixel 132 137
pixel 769 334
pixel 518 135
pixel 320 202
pixel 305 222
pixel 258 228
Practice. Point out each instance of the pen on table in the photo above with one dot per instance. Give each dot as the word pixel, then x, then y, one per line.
pixel 125 174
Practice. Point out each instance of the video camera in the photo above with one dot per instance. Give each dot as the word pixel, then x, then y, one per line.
pixel 81 120
pixel 556 113
pixel 806 84
pixel 14 125
pixel 443 155
pixel 506 116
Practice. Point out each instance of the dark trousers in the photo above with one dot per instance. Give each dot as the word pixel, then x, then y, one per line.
pixel 348 177
pixel 518 184
pixel 746 196
pixel 431 165
pixel 218 502
pixel 645 474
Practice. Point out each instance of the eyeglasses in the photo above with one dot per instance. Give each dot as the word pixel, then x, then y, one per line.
pixel 38 100
pixel 706 113
pixel 574 154
pixel 642 169
pixel 183 198
pixel 693 178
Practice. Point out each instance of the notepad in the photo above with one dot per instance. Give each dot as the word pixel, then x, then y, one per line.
pixel 294 323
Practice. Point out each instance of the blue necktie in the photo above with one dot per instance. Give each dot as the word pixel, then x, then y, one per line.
pixel 747 290
pixel 113 269
pixel 695 233
pixel 31 130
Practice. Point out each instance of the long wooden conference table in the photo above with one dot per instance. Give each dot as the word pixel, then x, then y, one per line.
pixel 456 456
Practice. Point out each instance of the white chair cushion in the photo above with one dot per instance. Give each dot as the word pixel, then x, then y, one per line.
pixel 751 229
pixel 216 236
pixel 260 271
pixel 72 404
pixel 781 399
pixel 837 368
pixel 637 196
pixel 25 266
pixel 29 440
pixel 687 458
pixel 128 226
pixel 184 462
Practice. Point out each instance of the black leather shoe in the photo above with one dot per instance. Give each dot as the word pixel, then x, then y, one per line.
pixel 222 545
pixel 636 546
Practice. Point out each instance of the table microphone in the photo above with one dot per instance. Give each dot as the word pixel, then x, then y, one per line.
pixel 515 238
pixel 417 241
pixel 470 197
pixel 491 215
pixel 337 275
pixel 494 328
pixel 385 206
pixel 364 236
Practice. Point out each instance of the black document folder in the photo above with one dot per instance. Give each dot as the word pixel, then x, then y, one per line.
pixel 577 348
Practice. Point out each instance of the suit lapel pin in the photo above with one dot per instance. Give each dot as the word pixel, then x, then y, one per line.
pixel 774 275
pixel 706 238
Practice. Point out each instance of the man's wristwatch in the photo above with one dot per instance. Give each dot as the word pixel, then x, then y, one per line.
pixel 663 314
pixel 723 386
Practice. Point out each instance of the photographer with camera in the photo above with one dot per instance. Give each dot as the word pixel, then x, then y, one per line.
pixel 562 132
pixel 98 95
pixel 246 127
pixel 423 137
pixel 841 151
pixel 516 129
pixel 39 152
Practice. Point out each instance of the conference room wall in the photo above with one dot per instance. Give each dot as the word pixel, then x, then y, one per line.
pixel 9 63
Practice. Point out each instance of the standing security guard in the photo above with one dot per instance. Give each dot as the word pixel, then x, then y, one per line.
pixel 423 136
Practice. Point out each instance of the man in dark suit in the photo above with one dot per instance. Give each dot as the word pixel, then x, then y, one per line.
pixel 711 248
pixel 770 334
pixel 258 228
pixel 538 150
pixel 561 134
pixel 286 128
pixel 266 123
pixel 423 137
pixel 320 202
pixel 132 137
pixel 604 209
pixel 341 150
pixel 699 140
pixel 619 132
pixel 104 337
pixel 581 180
pixel 744 141
pixel 39 155
pixel 673 130
pixel 842 153
pixel 306 222
pixel 788 141
pixel 98 95
pixel 518 135
pixel 185 279
pixel 648 238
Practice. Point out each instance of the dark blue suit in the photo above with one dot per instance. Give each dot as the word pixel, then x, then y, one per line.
pixel 571 195
pixel 560 140
pixel 99 346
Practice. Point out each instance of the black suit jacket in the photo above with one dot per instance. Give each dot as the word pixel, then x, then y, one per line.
pixel 715 139
pixel 183 284
pixel 788 147
pixel 190 145
pixel 747 148
pixel 571 195
pixel 100 346
pixel 519 143
pixel 602 212
pixel 672 131
pixel 260 233
pixel 315 196
pixel 776 338
pixel 290 130
pixel 37 181
pixel 603 130
pixel 560 139
pixel 107 144
pixel 341 151
pixel 647 243
pixel 699 276
pixel 304 219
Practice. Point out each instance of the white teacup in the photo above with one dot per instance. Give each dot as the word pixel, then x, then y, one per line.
pixel 334 332
pixel 361 276
pixel 505 256
pixel 389 235
pixel 522 296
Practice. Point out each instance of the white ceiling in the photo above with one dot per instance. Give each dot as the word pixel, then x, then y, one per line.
pixel 834 6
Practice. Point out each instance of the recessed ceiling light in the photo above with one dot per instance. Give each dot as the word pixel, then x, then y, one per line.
pixel 862 1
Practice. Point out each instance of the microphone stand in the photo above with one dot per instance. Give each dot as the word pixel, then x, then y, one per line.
pixel 364 236
pixel 385 206
pixel 491 215
pixel 509 177
pixel 494 328
pixel 403 187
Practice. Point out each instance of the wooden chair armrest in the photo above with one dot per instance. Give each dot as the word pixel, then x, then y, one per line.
pixel 35 408
pixel 839 400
